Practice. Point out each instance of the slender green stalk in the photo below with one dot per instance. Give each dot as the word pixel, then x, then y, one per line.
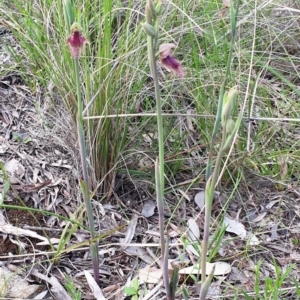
pixel 223 117
pixel 94 240
pixel 80 121
pixel 85 183
pixel 233 16
pixel 209 194
pixel 215 130
pixel 206 284
pixel 151 28
pixel 160 208
pixel 153 69
pixel 230 129
pixel 163 242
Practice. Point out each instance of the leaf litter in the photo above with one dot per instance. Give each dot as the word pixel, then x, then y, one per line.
pixel 44 179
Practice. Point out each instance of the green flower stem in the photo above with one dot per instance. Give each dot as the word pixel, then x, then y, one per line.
pixel 160 208
pixel 164 243
pixel 212 179
pixel 206 284
pixel 233 15
pixel 159 166
pixel 85 185
pixel 152 62
pixel 209 194
pixel 161 182
pixel 80 123
pixel 215 130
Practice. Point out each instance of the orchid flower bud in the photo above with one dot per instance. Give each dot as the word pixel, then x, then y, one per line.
pixel 228 104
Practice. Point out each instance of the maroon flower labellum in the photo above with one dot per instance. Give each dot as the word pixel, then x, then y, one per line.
pixel 76 40
pixel 169 61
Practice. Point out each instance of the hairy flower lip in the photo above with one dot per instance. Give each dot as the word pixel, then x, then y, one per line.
pixel 76 40
pixel 169 61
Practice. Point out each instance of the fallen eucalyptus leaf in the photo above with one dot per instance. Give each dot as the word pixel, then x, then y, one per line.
pixel 259 217
pixel 15 170
pixel 140 253
pixel 94 286
pixel 150 275
pixel 13 286
pixel 200 199
pixel 130 231
pixel 271 204
pixel 237 275
pixel 253 240
pixel 57 289
pixel 194 235
pixel 194 231
pixel 236 227
pixel 274 232
pixel 10 229
pixel 221 268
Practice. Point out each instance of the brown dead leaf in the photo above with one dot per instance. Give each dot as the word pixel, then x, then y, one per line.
pixel 282 161
pixel 15 170
pixel 237 275
pixel 221 268
pixel 274 232
pixel 14 286
pixel 6 117
pixel 94 286
pixel 10 229
pixel 57 289
pixel 200 199
pixel 174 231
pixel 150 275
pixel 259 217
pixel 140 253
pixel 130 231
pixel 29 188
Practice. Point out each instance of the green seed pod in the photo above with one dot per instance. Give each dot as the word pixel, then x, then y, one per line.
pixel 158 7
pixel 230 126
pixel 228 103
pixel 149 29
pixel 150 12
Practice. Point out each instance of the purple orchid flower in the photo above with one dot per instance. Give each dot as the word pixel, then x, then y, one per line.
pixel 169 61
pixel 76 40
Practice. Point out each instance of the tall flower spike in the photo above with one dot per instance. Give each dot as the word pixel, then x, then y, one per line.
pixel 169 61
pixel 76 40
